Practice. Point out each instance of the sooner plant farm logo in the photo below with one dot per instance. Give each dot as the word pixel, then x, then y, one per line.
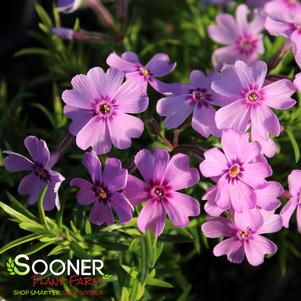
pixel 57 267
pixel 78 273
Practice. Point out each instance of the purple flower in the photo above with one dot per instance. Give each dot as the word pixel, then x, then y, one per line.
pixel 238 171
pixel 103 191
pixel 297 82
pixel 63 32
pixel 163 177
pixel 98 105
pixel 284 19
pixel 242 39
pixel 266 198
pixel 198 98
pixel 251 99
pixel 68 6
pixel 244 234
pixel 40 173
pixel 158 66
pixel 294 181
pixel 257 3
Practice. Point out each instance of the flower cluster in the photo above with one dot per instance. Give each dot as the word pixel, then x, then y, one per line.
pixel 233 102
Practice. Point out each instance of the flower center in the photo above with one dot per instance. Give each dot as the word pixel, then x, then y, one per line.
pixel 253 96
pixel 145 72
pixel 41 173
pixel 102 193
pixel 243 234
pixel 159 192
pixel 198 95
pixel 104 109
pixel 234 170
pixel 246 44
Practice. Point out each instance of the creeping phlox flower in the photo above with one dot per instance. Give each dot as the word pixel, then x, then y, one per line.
pixel 103 191
pixel 284 19
pixel 99 104
pixel 238 171
pixel 266 198
pixel 244 235
pixel 158 66
pixel 297 82
pixel 40 173
pixel 163 177
pixel 69 6
pixel 294 181
pixel 196 97
pixel 242 39
pixel 251 100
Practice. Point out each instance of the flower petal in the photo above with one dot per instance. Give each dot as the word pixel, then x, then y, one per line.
pixel 129 97
pixel 272 223
pixel 294 182
pixel 180 207
pixel 159 65
pixel 93 165
pixel 218 227
pixel 114 176
pixel 136 190
pixel 100 213
pixel 203 121
pixel 278 94
pixel 38 150
pixel 115 61
pixel 152 166
pixel 31 185
pixel 122 207
pixel 122 128
pixel 254 256
pixel 178 173
pixel 232 247
pixel 15 162
pixel 176 109
pixel 79 117
pixel 85 195
pixel 236 116
pixel 215 163
pixel 152 216
pixel 96 134
pixel 287 211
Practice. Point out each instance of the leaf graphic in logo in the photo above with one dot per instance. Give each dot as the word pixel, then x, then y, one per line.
pixel 10 266
pixel 106 276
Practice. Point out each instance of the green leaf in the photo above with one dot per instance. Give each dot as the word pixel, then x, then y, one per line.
pixel 20 207
pixel 19 241
pixel 14 213
pixel 37 247
pixel 32 51
pixel 78 250
pixel 125 296
pixel 43 16
pixel 294 143
pixel 185 294
pixel 40 206
pixel 158 282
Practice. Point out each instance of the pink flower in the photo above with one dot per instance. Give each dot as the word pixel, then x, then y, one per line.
pixel 198 98
pixel 284 19
pixel 238 171
pixel 163 177
pixel 251 99
pixel 257 3
pixel 40 173
pixel 245 235
pixel 143 74
pixel 103 191
pixel 294 181
pixel 297 82
pixel 99 104
pixel 242 39
pixel 266 198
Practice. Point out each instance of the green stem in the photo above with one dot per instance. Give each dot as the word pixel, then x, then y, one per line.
pixel 41 208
